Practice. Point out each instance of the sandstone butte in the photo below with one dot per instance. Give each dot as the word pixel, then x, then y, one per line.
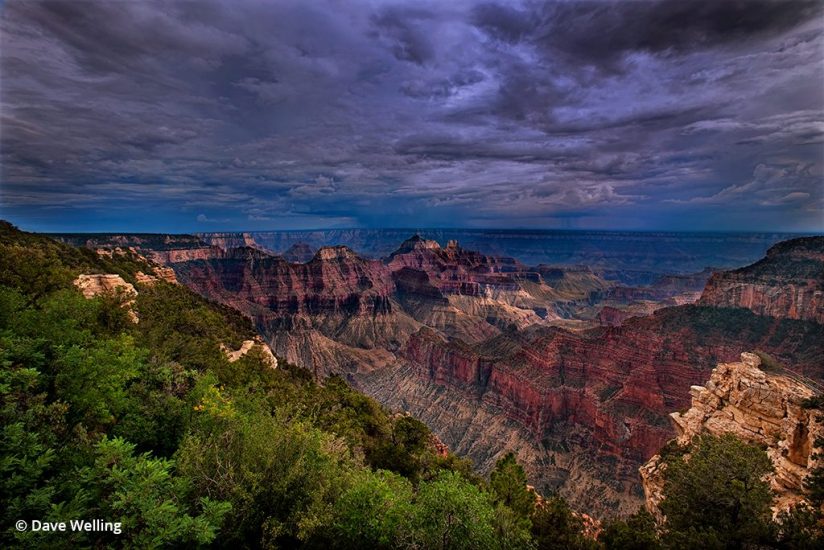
pixel 760 407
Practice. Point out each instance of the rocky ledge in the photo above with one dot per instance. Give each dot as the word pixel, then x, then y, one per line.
pixel 268 357
pixel 761 407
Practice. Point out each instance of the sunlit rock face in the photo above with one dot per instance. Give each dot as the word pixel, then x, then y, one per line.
pixel 97 284
pixel 760 407
pixel 267 356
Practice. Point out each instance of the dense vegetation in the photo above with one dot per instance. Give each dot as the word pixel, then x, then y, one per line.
pixel 150 425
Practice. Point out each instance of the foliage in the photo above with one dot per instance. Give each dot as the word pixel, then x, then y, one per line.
pixel 451 513
pixel 145 495
pixel 282 477
pixel 637 532
pixel 814 482
pixel 716 497
pixel 555 526
pixel 509 485
pixel 375 511
pixel 799 528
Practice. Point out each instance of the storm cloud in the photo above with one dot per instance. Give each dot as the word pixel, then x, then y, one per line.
pixel 186 116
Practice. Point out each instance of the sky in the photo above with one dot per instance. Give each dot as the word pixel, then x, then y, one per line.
pixel 253 115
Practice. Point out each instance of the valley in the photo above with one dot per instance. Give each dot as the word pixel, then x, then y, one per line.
pixel 573 368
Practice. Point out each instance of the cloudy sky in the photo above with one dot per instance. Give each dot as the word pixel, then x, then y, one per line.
pixel 203 116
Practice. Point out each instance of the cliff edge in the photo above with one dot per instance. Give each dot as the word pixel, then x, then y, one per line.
pixel 763 408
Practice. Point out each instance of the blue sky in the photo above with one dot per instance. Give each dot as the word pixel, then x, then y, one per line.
pixel 206 116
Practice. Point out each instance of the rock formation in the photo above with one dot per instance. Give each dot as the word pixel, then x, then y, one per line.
pixel 247 346
pixel 764 408
pixel 299 253
pixel 92 285
pixel 159 273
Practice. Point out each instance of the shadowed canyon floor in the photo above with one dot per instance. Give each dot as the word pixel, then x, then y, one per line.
pixel 574 369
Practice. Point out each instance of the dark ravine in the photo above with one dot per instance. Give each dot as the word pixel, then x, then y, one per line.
pixel 496 356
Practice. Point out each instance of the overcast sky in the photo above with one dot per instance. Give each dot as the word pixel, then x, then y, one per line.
pixel 203 116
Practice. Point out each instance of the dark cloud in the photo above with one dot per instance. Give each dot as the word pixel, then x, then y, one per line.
pixel 505 22
pixel 406 31
pixel 253 114
pixel 601 32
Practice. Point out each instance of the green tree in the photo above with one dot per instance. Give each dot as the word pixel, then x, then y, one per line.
pixel 509 485
pixel 281 475
pixel 30 437
pixel 93 379
pixel 374 512
pixel 799 529
pixel 143 493
pixel 452 513
pixel 716 497
pixel 637 532
pixel 511 530
pixel 515 503
pixel 555 526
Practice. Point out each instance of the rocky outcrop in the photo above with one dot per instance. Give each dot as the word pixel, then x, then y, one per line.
pixel 788 283
pixel 226 241
pixel 269 358
pixel 764 408
pixel 91 285
pixel 159 273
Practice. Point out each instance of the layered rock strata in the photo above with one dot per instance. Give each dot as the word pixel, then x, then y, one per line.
pixel 470 344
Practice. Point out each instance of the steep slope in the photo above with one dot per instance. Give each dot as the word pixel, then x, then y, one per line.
pixel 183 429
pixel 582 411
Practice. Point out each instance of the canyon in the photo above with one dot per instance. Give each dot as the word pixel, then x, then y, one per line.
pixel 573 368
